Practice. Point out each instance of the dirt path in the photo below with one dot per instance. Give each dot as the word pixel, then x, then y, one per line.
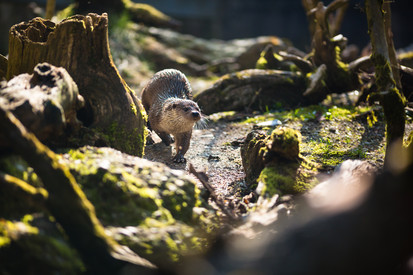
pixel 214 150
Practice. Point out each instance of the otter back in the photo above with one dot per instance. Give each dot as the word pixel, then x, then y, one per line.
pixel 167 99
pixel 166 84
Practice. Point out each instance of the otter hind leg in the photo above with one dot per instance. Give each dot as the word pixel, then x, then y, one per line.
pixel 182 145
pixel 166 138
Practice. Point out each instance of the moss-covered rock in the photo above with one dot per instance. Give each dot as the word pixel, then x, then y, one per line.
pixel 26 248
pixel 156 211
pixel 146 199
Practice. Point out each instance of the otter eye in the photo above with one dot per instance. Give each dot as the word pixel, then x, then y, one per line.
pixel 174 106
pixel 186 109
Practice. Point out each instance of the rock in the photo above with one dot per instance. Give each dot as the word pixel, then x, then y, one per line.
pixel 161 208
pixel 34 245
pixel 156 211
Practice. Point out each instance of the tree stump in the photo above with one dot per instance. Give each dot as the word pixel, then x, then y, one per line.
pixel 80 45
pixel 45 102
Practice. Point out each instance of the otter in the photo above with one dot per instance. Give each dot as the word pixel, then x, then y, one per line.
pixel 167 99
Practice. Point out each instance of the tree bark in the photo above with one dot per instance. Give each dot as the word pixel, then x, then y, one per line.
pixel 390 98
pixel 80 45
pixel 69 205
pixel 50 7
pixel 3 67
pixel 326 50
pixel 45 102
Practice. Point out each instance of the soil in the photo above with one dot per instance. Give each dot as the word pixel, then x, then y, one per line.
pixel 215 150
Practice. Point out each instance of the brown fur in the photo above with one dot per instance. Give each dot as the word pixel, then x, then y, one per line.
pixel 167 99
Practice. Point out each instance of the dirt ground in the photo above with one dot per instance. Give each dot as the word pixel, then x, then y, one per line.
pixel 215 150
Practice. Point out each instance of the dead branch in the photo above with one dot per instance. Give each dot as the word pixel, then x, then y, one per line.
pixel 204 180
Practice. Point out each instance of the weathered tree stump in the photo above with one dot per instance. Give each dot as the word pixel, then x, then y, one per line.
pixel 46 102
pixel 80 45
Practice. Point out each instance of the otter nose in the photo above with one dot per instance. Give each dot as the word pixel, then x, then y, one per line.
pixel 195 114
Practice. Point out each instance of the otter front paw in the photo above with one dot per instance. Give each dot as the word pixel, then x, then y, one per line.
pixel 179 158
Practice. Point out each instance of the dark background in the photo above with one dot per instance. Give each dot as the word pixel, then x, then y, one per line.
pixel 229 19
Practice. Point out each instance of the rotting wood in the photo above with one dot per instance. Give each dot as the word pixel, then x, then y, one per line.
pixel 45 102
pixel 80 45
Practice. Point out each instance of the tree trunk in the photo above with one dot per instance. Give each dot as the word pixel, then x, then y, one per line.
pixel 68 204
pixel 3 67
pixel 80 45
pixel 390 98
pixel 45 102
pixel 50 7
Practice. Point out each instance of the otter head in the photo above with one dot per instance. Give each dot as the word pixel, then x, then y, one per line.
pixel 181 114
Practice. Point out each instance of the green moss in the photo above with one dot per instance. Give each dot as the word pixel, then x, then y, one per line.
pixel 67 12
pixel 119 21
pixel 261 63
pixel 221 116
pixel 131 141
pixel 287 178
pixel 285 142
pixel 39 251
pixel 134 110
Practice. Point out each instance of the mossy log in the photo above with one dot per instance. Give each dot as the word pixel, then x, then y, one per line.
pixel 45 102
pixel 69 205
pixel 256 89
pixel 80 45
pixel 137 12
pixel 391 99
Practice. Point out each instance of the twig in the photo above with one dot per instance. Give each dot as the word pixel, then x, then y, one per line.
pixel 203 179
